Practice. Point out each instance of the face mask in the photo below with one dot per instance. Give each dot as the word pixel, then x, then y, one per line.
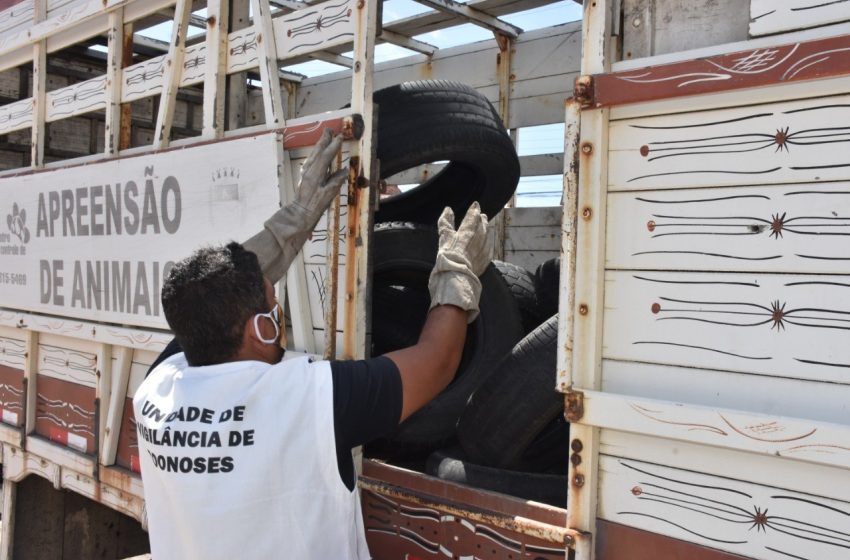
pixel 275 316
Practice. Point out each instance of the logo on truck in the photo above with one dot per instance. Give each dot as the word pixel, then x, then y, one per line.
pixel 17 222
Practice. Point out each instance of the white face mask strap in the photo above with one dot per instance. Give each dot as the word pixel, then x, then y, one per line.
pixel 257 328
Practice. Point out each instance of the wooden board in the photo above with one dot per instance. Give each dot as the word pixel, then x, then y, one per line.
pixel 128 444
pixel 12 364
pixel 762 394
pixel 544 64
pixel 792 141
pixel 732 515
pixel 764 228
pixel 785 325
pixel 776 16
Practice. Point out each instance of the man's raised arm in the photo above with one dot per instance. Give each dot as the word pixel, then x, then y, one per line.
pixel 429 366
pixel 289 228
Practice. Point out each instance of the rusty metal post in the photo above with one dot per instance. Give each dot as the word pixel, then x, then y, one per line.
pixel 362 190
pixel 125 135
pixel 587 284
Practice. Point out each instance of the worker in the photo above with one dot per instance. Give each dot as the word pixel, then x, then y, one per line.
pixel 247 456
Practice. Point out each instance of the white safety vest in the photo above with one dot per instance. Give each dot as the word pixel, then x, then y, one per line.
pixel 239 461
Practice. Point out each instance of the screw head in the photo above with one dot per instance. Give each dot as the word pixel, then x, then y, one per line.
pixel 587 148
pixel 577 445
pixel 578 480
pixel 582 309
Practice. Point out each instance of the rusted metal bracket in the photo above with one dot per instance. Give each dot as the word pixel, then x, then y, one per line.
pixel 584 91
pixel 573 405
pixel 352 127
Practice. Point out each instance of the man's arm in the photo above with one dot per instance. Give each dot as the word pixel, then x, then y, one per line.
pixel 287 230
pixel 429 366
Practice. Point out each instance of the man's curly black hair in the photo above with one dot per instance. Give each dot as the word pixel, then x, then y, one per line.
pixel 208 297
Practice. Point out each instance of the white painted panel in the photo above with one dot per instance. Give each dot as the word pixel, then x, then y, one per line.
pixel 768 470
pixel 68 363
pixel 799 228
pixel 16 116
pixel 763 394
pixel 12 348
pixel 317 27
pixel 76 99
pixel 530 260
pixel 793 141
pixel 19 15
pixel 776 16
pixel 733 515
pixel 785 325
pixel 533 238
pixel 540 216
pixel 795 438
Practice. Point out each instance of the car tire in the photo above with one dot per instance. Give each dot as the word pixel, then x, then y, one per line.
pixel 434 120
pixel 403 256
pixel 517 405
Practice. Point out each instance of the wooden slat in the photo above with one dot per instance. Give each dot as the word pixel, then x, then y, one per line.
pixel 529 238
pixel 784 325
pixel 316 28
pixel 544 65
pixel 779 228
pixel 215 68
pixel 776 16
pixel 113 81
pixel 172 69
pixel 266 40
pixel 778 472
pixel 791 141
pixel 39 87
pixel 753 67
pixel 733 515
pixel 540 216
pixel 773 435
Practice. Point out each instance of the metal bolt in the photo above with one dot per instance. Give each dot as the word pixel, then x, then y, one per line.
pixel 586 148
pixel 587 213
pixel 357 66
pixel 578 480
pixel 575 459
pixel 582 309
pixel 636 22
pixel 576 445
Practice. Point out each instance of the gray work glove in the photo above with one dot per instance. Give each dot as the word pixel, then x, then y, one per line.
pixel 462 257
pixel 289 228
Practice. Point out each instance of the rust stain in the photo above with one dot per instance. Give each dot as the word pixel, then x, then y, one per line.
pixel 211 21
pixel 574 405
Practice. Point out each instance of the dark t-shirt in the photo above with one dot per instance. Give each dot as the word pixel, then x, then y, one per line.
pixel 367 403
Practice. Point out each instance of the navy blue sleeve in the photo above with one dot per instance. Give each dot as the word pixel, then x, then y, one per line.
pixel 367 405
pixel 171 348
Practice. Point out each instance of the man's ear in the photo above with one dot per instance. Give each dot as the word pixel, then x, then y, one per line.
pixel 250 343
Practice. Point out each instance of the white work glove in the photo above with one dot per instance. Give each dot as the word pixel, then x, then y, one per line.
pixel 462 257
pixel 289 228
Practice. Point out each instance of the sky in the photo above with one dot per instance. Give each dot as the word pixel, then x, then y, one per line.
pixel 532 191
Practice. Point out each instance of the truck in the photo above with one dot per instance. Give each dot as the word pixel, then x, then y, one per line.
pixel 701 367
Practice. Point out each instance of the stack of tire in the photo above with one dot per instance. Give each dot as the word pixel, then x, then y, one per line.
pixel 499 424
